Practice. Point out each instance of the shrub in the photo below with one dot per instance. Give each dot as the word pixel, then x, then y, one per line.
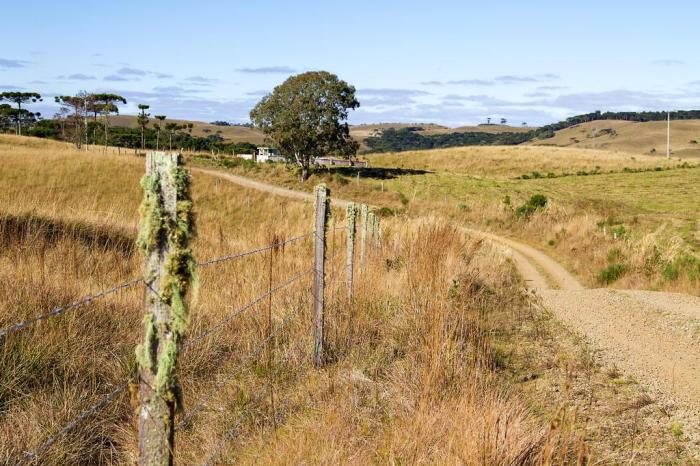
pixel 385 212
pixel 403 199
pixel 463 207
pixel 612 273
pixel 684 263
pixel 614 254
pixel 536 202
pixel 619 231
pixel 506 200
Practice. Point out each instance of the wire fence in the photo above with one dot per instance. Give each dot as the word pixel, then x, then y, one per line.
pixel 33 456
pixel 329 255
pixel 88 299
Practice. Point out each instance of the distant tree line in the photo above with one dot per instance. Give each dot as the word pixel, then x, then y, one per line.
pixel 403 139
pixel 84 118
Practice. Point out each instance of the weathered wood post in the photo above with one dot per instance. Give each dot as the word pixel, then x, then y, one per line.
pixel 371 225
pixel 350 259
pixel 322 209
pixel 377 233
pixel 363 232
pixel 167 224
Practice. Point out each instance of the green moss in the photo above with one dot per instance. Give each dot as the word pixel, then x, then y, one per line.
pixel 145 350
pixel 152 214
pixel 178 276
pixel 167 362
pixel 351 218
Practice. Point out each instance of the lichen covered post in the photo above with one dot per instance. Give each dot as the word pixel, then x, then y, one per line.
pixel 364 212
pixel 351 218
pixel 322 211
pixel 167 225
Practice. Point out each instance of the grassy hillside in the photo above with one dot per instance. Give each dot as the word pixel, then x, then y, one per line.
pixel 444 362
pixel 232 133
pixel 635 137
pixel 604 208
pixel 67 223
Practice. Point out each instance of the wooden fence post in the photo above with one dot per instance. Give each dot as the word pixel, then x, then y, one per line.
pixel 322 208
pixel 167 224
pixel 371 225
pixel 350 259
pixel 363 232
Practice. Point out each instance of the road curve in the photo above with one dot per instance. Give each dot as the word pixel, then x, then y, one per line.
pixel 652 336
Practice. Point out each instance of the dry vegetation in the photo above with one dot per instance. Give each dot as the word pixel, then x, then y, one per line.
pixel 630 136
pixel 612 209
pixel 513 161
pixel 440 359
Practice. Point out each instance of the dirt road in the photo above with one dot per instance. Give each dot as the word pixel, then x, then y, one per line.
pixel 651 336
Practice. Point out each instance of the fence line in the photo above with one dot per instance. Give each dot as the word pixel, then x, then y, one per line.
pixel 93 297
pixel 222 323
pixel 61 309
pixel 321 284
pixel 106 399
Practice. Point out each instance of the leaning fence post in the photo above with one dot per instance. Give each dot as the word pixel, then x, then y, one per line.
pixel 350 260
pixel 363 232
pixel 167 224
pixel 322 207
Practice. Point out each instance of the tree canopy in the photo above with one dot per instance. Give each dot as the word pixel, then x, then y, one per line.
pixel 306 117
pixel 19 98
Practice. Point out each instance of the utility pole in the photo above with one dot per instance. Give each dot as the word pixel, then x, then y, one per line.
pixel 668 137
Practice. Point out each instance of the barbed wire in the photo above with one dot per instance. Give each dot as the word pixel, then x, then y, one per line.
pixel 230 432
pixel 253 251
pixel 61 309
pixel 32 456
pixel 90 298
pixel 228 379
pixel 222 323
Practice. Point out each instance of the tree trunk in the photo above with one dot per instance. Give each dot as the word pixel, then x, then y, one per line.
pixel 304 172
pixel 19 118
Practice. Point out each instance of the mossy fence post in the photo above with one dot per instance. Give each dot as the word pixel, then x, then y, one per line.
pixel 364 212
pixel 351 218
pixel 322 211
pixel 167 224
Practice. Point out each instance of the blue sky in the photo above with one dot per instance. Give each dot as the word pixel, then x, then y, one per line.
pixel 449 62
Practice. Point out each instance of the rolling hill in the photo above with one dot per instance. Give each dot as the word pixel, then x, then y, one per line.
pixel 359 132
pixel 628 136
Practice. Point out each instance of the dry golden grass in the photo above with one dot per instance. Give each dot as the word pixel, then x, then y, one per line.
pixel 630 136
pixel 404 357
pixel 512 161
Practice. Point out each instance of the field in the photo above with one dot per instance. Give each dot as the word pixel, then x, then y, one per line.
pixel 604 208
pixel 634 137
pixel 444 349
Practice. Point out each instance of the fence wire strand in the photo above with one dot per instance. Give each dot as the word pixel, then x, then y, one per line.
pixel 229 378
pixel 90 298
pixel 222 323
pixel 61 309
pixel 32 456
pixel 253 251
